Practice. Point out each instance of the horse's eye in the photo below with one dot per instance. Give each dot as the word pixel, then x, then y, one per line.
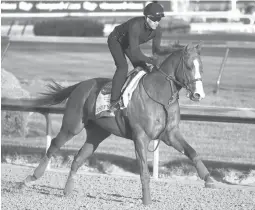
pixel 190 66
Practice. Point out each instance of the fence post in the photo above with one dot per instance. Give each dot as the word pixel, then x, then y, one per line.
pixel 155 159
pixel 10 28
pixel 48 133
pixel 24 27
pixel 220 72
pixel 4 48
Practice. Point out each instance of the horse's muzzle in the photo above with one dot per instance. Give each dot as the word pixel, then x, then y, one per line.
pixel 195 96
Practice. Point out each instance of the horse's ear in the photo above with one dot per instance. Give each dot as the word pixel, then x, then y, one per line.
pixel 177 42
pixel 199 47
pixel 187 47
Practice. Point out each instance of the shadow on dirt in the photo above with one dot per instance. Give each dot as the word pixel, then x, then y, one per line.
pixel 225 172
pixel 114 197
pixel 19 187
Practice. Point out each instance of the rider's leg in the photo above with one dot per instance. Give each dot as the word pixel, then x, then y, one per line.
pixel 121 70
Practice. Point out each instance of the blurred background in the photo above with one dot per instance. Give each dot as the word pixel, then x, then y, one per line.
pixel 185 16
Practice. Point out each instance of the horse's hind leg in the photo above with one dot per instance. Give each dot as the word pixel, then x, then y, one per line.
pixel 95 135
pixel 72 125
pixel 56 143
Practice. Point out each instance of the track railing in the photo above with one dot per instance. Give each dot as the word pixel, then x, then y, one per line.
pixel 188 113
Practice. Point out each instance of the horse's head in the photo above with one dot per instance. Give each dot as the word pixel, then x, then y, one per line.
pixel 187 67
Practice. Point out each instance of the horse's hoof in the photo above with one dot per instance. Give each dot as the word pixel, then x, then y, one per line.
pixel 69 187
pixel 147 201
pixel 210 182
pixel 28 181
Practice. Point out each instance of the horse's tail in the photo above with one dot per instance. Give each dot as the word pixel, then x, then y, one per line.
pixel 55 95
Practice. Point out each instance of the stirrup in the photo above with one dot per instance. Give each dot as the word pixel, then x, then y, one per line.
pixel 114 106
pixel 112 109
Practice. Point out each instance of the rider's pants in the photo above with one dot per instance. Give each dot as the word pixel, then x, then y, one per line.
pixel 119 55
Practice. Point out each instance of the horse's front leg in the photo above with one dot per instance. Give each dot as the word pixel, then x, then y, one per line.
pixel 141 144
pixel 175 139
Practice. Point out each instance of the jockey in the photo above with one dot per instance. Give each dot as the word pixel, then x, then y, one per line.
pixel 124 41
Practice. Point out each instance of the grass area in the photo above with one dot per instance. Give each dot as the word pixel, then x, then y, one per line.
pixel 34 67
pixel 216 143
pixel 40 62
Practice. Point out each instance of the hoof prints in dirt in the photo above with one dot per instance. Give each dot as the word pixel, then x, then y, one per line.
pixel 109 192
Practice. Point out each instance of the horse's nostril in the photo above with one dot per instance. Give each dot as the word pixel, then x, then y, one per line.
pixel 196 95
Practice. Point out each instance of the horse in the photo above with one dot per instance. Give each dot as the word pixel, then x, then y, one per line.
pixel 153 113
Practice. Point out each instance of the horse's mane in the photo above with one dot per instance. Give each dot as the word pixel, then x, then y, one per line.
pixel 176 49
pixel 178 46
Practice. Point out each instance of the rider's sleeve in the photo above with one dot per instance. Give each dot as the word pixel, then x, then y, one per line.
pixel 134 32
pixel 156 48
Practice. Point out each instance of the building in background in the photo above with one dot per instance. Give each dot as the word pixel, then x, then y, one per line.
pixel 20 12
pixel 209 5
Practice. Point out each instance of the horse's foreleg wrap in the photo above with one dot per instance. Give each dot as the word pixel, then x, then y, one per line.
pixel 202 171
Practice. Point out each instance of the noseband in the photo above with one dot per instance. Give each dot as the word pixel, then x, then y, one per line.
pixel 172 80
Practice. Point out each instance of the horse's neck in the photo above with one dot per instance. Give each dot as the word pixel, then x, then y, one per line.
pixel 156 84
pixel 170 64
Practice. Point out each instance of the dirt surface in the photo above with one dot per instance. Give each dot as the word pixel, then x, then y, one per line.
pixel 93 191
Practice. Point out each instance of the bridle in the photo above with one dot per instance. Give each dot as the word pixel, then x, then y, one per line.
pixel 172 79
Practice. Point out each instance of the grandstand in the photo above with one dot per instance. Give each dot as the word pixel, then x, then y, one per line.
pixel 232 15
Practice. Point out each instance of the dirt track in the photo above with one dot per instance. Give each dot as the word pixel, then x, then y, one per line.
pixel 114 192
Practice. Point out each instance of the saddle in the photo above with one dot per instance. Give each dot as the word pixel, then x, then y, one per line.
pixel 104 96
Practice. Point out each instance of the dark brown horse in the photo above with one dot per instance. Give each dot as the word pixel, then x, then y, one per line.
pixel 153 113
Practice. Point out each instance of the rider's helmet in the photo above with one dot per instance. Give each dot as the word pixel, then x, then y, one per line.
pixel 154 11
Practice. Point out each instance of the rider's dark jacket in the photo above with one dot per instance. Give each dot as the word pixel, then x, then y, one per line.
pixel 136 31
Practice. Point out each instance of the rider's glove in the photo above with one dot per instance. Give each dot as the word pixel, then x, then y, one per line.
pixel 153 60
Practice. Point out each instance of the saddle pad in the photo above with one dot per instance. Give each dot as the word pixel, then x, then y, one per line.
pixel 104 96
pixel 128 92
